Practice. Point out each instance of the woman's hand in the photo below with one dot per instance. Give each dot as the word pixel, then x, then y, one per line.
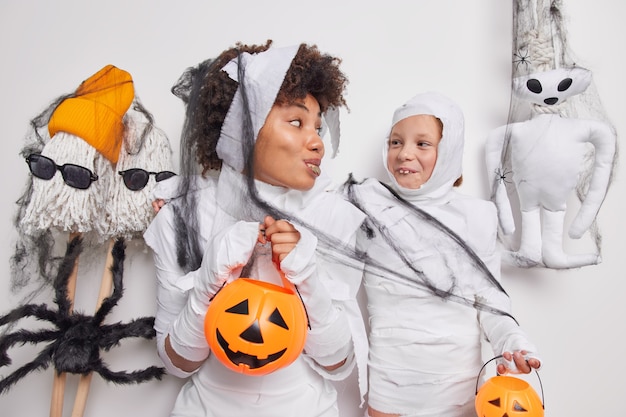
pixel 157 204
pixel 281 234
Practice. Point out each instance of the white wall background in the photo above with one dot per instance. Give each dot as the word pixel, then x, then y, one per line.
pixel 390 50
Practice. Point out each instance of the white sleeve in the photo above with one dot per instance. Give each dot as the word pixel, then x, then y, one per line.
pixel 173 284
pixel 225 255
pixel 503 332
pixel 182 298
pixel 329 338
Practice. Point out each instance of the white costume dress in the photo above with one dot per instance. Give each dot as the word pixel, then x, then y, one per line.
pixel 302 388
pixel 425 349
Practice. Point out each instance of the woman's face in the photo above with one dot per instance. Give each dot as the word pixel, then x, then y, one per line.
pixel 289 149
pixel 412 151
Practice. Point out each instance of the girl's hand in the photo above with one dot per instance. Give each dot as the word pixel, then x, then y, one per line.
pixel 519 358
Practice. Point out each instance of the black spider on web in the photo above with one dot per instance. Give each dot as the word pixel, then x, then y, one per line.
pixel 76 339
pixel 521 57
pixel 502 175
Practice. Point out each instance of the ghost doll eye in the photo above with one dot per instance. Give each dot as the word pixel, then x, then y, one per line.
pixel 564 84
pixel 534 85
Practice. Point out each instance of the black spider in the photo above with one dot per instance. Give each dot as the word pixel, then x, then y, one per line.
pixel 521 57
pixel 77 339
pixel 502 176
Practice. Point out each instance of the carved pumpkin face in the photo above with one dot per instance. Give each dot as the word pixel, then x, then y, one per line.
pixel 507 396
pixel 255 327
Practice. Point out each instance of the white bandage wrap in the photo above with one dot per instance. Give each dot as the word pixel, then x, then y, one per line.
pixel 223 260
pixel 264 75
pixel 329 338
pixel 167 362
pixel 505 335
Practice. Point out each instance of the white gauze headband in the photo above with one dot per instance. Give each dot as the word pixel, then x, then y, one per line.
pixel 264 75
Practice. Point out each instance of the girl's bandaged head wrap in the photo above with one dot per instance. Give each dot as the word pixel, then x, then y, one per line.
pixel 449 164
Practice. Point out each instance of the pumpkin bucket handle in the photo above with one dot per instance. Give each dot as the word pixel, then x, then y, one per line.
pixel 289 284
pixel 543 402
pixel 286 284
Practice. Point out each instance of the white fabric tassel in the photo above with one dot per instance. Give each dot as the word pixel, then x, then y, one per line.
pixel 128 212
pixel 55 204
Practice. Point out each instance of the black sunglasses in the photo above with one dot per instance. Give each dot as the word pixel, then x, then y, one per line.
pixel 136 179
pixel 73 175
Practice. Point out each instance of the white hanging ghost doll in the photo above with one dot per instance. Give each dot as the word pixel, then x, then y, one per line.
pixel 550 150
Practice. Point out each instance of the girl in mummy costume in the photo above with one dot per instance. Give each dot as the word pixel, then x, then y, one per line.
pixel 432 272
pixel 253 123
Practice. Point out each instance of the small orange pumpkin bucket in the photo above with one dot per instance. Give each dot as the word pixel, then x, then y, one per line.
pixel 255 327
pixel 504 395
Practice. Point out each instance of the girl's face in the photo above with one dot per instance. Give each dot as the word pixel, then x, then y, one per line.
pixel 289 149
pixel 412 151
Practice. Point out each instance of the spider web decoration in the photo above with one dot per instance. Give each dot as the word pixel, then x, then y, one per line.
pixel 75 341
pixel 458 259
pixel 558 145
pixel 235 197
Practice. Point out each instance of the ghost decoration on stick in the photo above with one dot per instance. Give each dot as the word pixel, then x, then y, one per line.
pixel 551 149
pixel 71 175
pixel 145 159
pixel 75 149
pixel 70 152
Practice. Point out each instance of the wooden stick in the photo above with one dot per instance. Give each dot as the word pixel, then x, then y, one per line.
pixel 58 384
pixel 58 391
pixel 80 402
pixel 106 286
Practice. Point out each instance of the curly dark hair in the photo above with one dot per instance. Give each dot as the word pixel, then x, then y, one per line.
pixel 208 92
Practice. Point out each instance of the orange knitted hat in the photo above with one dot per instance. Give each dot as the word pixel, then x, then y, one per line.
pixel 96 110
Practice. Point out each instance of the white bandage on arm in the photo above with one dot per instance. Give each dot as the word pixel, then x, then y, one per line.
pixel 171 300
pixel 186 334
pixel 167 362
pixel 505 335
pixel 223 260
pixel 329 339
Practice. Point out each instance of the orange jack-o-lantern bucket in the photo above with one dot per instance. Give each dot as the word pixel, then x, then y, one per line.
pixel 255 327
pixel 504 395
